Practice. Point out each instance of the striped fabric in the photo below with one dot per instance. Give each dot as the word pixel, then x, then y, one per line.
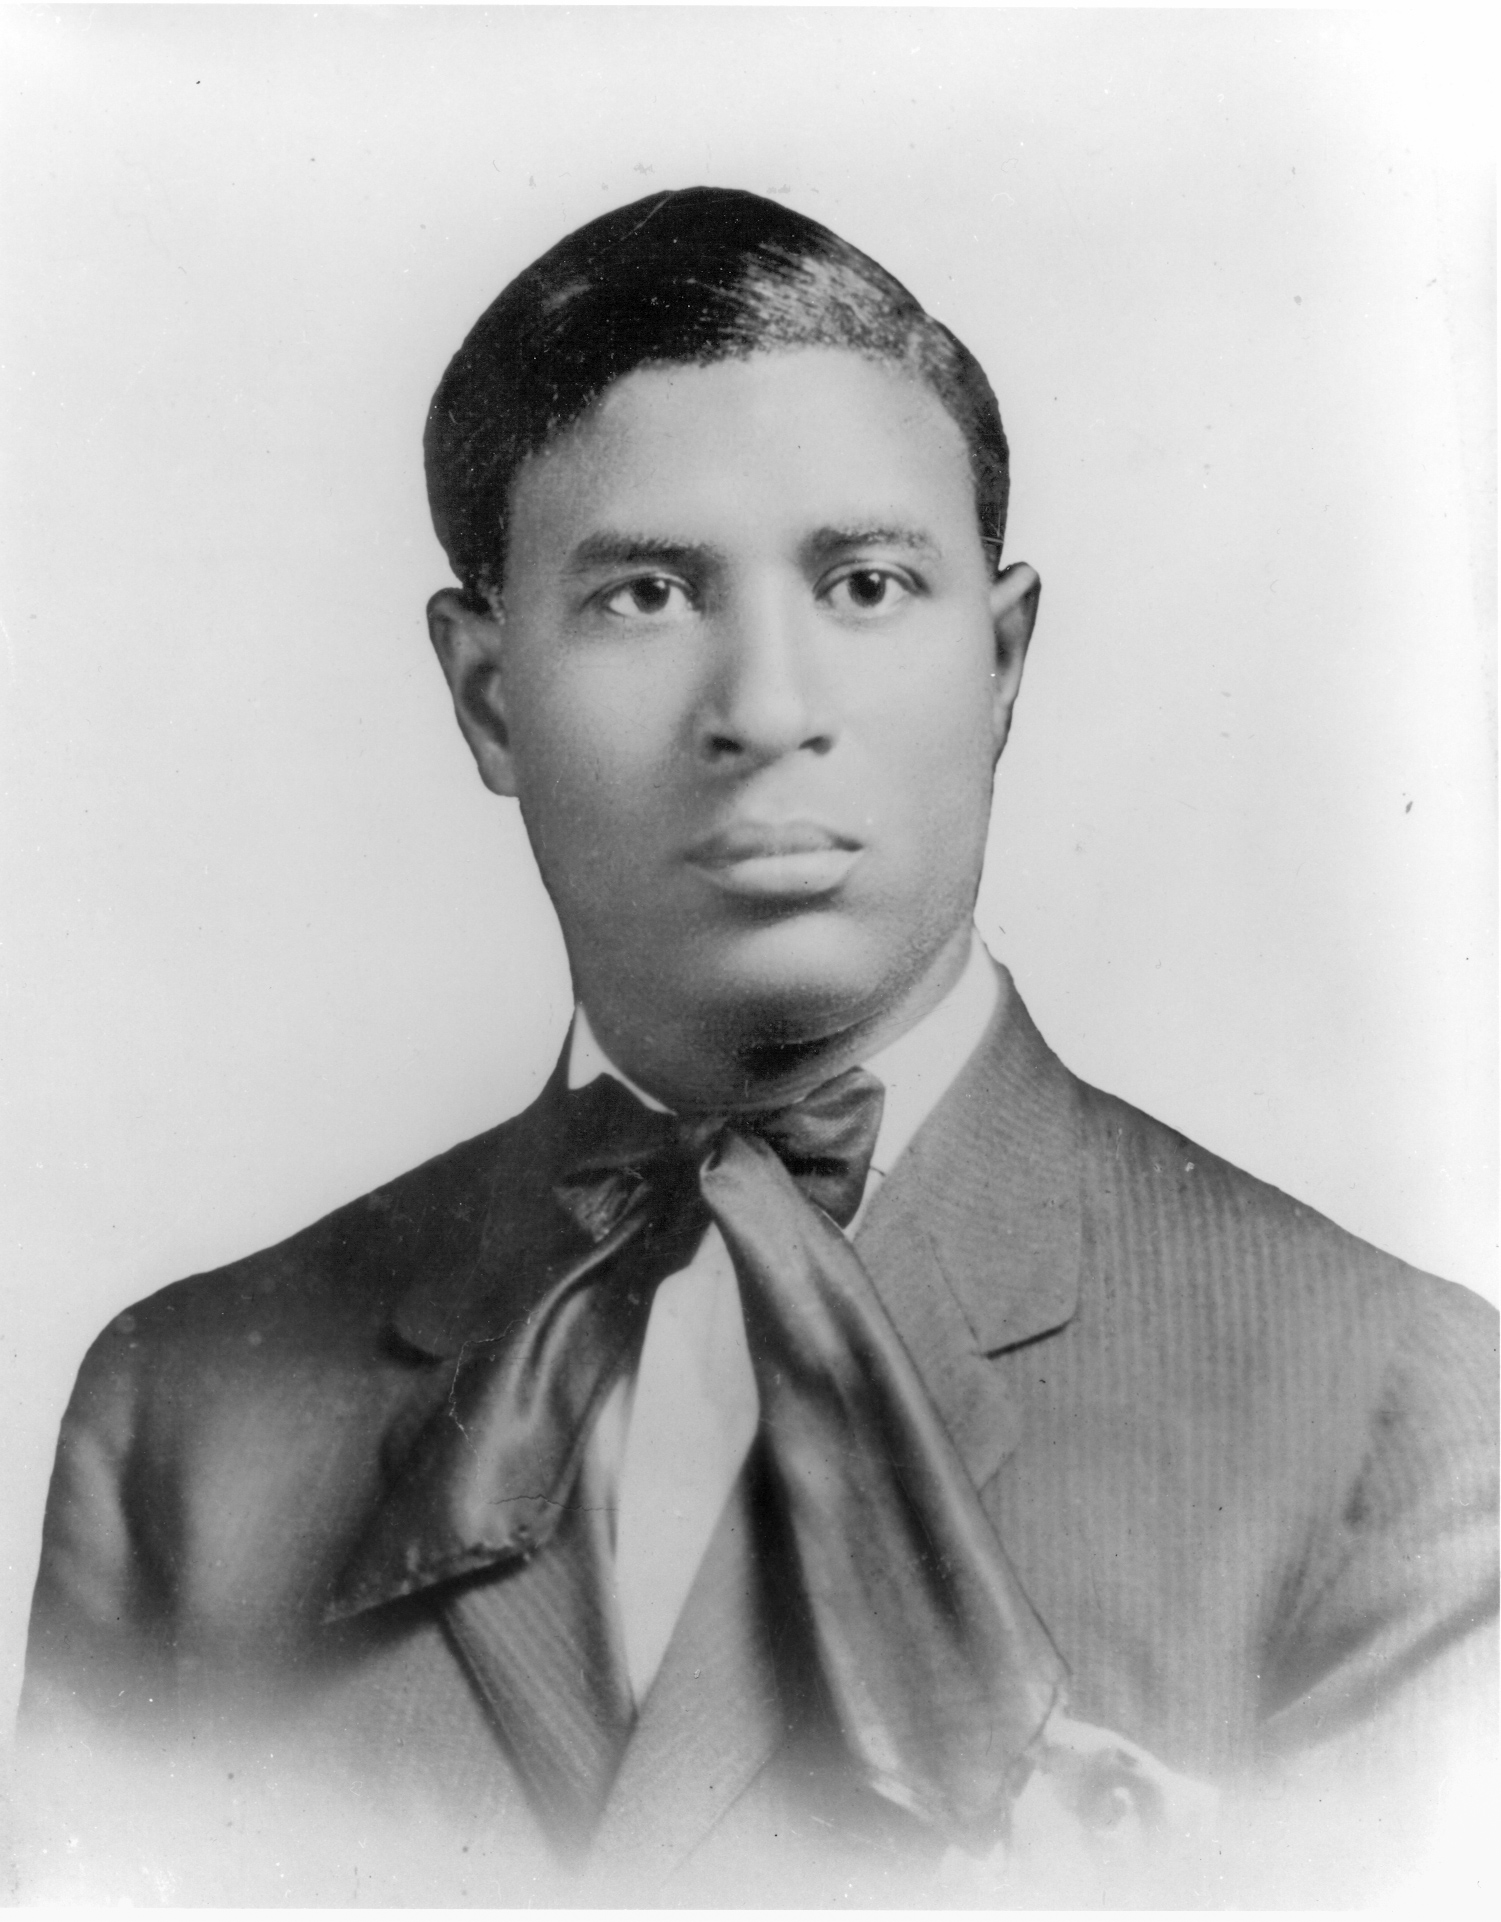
pixel 1243 1465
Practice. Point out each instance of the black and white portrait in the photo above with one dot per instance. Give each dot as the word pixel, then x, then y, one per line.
pixel 750 1008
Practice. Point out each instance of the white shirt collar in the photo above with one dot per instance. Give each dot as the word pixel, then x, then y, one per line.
pixel 916 1071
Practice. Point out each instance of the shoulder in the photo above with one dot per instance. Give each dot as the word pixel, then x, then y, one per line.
pixel 341 1274
pixel 1262 1306
pixel 224 1437
pixel 285 1324
pixel 1143 1182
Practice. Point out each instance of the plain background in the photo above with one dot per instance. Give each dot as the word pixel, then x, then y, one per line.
pixel 268 941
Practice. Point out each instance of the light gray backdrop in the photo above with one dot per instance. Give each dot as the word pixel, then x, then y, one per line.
pixel 268 941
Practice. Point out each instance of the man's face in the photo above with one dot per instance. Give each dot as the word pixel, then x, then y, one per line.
pixel 749 681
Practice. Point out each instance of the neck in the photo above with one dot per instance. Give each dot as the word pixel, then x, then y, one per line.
pixel 761 1057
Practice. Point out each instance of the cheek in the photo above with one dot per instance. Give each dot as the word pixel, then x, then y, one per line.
pixel 586 755
pixel 938 744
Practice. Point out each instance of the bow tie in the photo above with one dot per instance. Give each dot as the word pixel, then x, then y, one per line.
pixel 938 1672
pixel 824 1141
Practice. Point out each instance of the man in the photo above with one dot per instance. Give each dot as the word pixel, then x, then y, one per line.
pixel 821 1450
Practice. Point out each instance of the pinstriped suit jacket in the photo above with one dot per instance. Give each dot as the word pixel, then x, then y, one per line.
pixel 1243 1464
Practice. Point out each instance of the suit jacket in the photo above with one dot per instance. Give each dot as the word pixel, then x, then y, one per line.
pixel 1243 1464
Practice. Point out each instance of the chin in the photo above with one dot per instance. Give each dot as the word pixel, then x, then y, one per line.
pixel 803 979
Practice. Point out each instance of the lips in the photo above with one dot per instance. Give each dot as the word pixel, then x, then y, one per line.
pixel 771 859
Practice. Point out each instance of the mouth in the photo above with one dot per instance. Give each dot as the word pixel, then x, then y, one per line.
pixel 771 860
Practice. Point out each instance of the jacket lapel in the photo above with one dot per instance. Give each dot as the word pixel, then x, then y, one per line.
pixel 541 1644
pixel 536 1633
pixel 974 1242
pixel 712 1718
pixel 436 1520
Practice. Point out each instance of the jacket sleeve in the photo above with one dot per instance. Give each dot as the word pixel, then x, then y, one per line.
pixel 97 1644
pixel 1381 1690
pixel 1404 1580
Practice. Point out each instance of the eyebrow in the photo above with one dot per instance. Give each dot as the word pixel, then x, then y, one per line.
pixel 638 550
pixel 830 542
pixel 622 549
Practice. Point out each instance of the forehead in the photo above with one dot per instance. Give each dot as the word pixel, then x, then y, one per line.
pixel 751 450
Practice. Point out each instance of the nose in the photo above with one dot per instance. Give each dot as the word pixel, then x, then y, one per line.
pixel 764 695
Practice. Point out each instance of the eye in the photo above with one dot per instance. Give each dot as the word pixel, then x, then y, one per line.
pixel 867 590
pixel 645 597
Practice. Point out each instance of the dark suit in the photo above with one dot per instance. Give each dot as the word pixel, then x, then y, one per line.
pixel 1243 1465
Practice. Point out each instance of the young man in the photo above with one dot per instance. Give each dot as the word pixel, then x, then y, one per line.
pixel 821 1450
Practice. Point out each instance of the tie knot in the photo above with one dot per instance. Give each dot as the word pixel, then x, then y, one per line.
pixel 617 1144
pixel 825 1141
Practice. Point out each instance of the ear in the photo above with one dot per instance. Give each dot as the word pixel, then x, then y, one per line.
pixel 1013 613
pixel 469 644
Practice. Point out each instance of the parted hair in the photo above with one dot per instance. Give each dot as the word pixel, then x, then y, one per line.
pixel 684 278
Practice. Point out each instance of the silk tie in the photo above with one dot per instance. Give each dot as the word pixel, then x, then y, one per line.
pixel 938 1672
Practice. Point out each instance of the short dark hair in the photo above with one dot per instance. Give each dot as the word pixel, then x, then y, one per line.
pixel 684 278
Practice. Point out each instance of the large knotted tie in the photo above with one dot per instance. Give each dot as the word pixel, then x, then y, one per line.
pixel 939 1673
